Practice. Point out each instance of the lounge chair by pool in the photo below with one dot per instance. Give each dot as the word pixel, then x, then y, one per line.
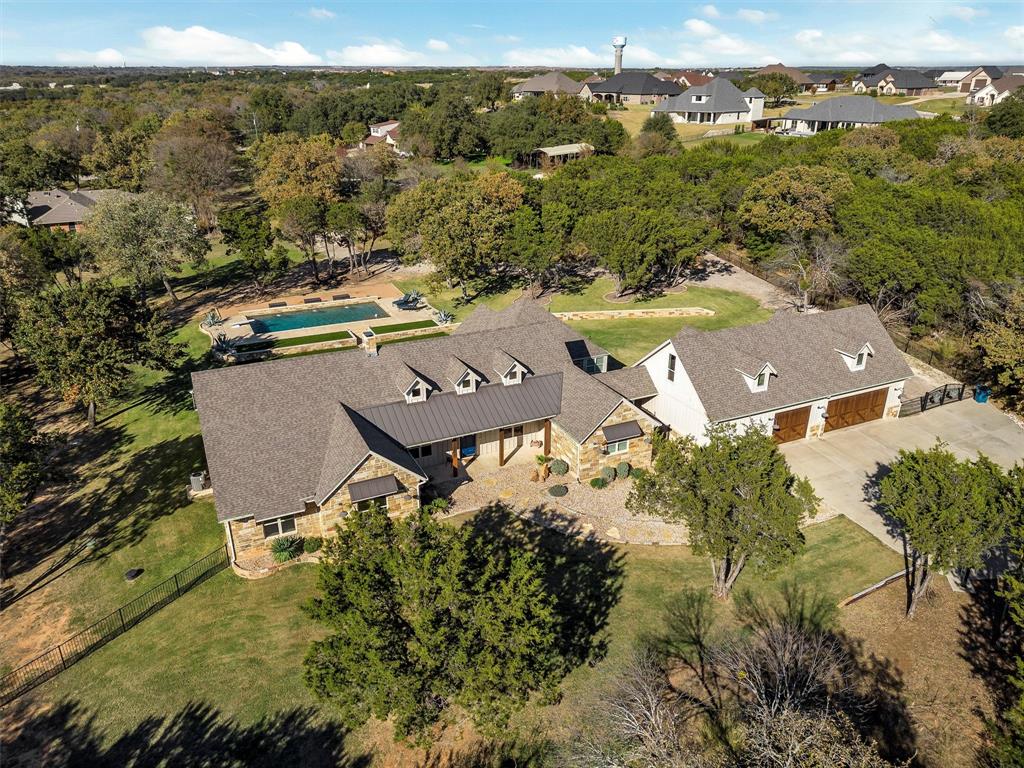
pixel 340 297
pixel 311 300
pixel 276 304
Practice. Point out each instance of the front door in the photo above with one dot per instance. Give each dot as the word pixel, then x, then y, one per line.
pixel 467 446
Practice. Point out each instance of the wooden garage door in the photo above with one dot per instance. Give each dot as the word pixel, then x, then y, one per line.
pixel 855 409
pixel 791 425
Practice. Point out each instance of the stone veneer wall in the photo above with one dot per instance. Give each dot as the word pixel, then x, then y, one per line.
pixel 248 534
pixel 592 460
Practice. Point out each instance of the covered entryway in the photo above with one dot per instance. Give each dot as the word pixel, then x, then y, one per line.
pixel 791 425
pixel 855 409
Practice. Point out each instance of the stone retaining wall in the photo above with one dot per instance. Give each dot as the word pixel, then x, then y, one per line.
pixel 623 314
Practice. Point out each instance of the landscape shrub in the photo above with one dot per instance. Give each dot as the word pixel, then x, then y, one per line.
pixel 608 474
pixel 598 482
pixel 312 544
pixel 623 469
pixel 558 490
pixel 438 506
pixel 285 548
pixel 558 467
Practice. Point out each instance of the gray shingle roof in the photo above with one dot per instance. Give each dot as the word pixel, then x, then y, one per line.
pixel 639 83
pixel 803 351
pixel 854 109
pixel 552 82
pixel 281 432
pixel 632 383
pixel 901 78
pixel 56 206
pixel 722 96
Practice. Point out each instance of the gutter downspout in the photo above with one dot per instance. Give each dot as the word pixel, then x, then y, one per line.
pixel 231 540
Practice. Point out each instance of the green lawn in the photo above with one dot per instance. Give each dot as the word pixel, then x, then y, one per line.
pixel 410 326
pixel 451 300
pixel 237 646
pixel 952 106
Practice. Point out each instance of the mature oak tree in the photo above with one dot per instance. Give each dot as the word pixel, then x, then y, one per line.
pixel 85 339
pixel 736 494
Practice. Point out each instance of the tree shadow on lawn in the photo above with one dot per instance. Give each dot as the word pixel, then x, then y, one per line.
pixel 990 641
pixel 513 752
pixel 103 519
pixel 68 735
pixel 584 574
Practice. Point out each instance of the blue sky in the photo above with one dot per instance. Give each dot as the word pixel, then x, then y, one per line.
pixel 383 33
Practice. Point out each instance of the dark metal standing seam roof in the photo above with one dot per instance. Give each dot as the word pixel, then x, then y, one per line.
pixel 627 430
pixel 446 415
pixel 373 488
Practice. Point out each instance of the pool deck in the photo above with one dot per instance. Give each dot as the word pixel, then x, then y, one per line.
pixel 235 325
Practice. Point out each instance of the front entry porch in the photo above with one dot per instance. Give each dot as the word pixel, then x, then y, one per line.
pixel 451 463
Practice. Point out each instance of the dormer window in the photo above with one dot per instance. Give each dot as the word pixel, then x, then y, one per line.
pixel 467 384
pixel 513 375
pixel 510 369
pixel 760 381
pixel 858 361
pixel 417 393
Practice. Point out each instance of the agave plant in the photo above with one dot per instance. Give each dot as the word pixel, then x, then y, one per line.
pixel 222 345
pixel 444 317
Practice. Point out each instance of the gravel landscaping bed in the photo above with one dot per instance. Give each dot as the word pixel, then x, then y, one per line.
pixel 582 511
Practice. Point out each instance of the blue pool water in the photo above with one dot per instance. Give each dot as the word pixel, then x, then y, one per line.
pixel 311 318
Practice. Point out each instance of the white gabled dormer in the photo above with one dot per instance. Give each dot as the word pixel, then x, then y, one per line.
pixel 511 370
pixel 467 384
pixel 858 360
pixel 759 381
pixel 464 379
pixel 413 387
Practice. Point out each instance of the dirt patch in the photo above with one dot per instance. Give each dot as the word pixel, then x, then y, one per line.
pixel 947 702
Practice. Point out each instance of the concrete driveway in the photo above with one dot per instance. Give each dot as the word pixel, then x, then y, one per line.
pixel 841 463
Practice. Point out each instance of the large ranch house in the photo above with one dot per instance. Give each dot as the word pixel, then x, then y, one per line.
pixel 293 445
pixel 717 102
pixel 843 112
pixel 795 376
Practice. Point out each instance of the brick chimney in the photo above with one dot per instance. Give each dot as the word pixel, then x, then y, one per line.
pixel 370 342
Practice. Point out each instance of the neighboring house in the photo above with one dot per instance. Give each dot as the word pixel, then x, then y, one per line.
pixel 630 88
pixel 794 376
pixel 804 83
pixel 689 78
pixel 718 102
pixel 844 112
pixel 896 82
pixel 552 157
pixel 733 75
pixel 825 82
pixel 979 77
pixel 59 209
pixel 594 78
pixel 996 91
pixel 951 78
pixel 388 132
pixel 662 75
pixel 293 445
pixel 553 82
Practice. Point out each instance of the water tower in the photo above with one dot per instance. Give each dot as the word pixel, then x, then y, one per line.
pixel 618 43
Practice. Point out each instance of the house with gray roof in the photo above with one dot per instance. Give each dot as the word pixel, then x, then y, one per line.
pixel 717 102
pixel 795 376
pixel 59 208
pixel 843 112
pixel 630 88
pixel 553 82
pixel 293 445
pixel 896 82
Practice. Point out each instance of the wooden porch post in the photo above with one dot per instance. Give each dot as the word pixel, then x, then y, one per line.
pixel 547 437
pixel 501 446
pixel 455 457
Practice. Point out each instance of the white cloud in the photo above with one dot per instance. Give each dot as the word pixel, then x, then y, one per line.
pixel 376 54
pixel 437 45
pixel 808 36
pixel 710 11
pixel 105 57
pixel 1015 34
pixel 199 45
pixel 962 12
pixel 637 55
pixel 754 16
pixel 700 27
pixel 566 56
pixel 507 39
pixel 320 14
pixel 730 45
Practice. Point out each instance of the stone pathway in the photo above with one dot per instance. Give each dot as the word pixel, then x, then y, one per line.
pixel 582 511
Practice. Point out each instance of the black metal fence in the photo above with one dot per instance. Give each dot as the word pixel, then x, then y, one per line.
pixel 77 647
pixel 948 393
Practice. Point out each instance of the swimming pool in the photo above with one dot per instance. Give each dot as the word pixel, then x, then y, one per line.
pixel 311 318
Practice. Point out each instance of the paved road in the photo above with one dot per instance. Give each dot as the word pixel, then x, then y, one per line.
pixel 840 463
